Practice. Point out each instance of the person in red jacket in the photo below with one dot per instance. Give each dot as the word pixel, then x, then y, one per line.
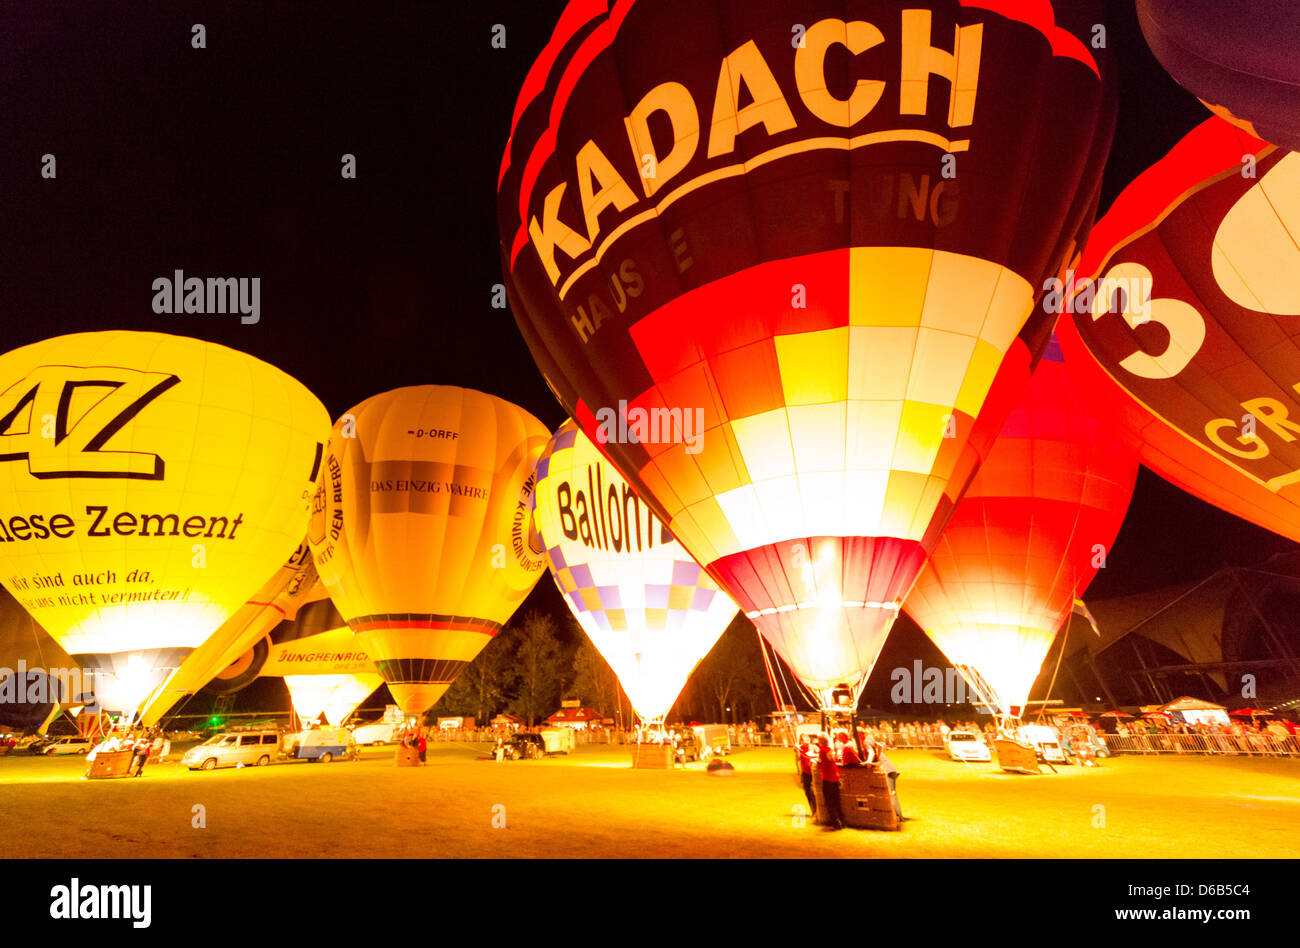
pixel 848 753
pixel 830 771
pixel 804 755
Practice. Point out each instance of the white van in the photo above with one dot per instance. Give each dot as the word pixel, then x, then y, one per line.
pixel 69 745
pixel 375 734
pixel 558 740
pixel 232 748
pixel 321 744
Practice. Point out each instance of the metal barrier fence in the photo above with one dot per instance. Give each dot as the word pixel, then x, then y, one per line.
pixel 1244 745
pixel 902 741
pixel 1236 745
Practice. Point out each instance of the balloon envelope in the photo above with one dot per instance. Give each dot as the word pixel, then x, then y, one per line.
pixel 1190 332
pixel 327 673
pixel 422 529
pixel 645 604
pixel 775 281
pixel 292 585
pixel 148 486
pixel 1236 56
pixel 1027 537
pixel 335 696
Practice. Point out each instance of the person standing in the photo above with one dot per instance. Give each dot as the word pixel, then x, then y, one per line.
pixel 423 744
pixel 804 755
pixel 830 772
pixel 140 755
pixel 876 756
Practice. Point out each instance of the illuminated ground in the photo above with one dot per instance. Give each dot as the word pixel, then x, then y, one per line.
pixel 590 804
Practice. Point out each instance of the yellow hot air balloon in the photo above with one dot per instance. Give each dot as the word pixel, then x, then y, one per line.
pixel 421 532
pixel 327 673
pixel 335 696
pixel 148 486
pixel 645 604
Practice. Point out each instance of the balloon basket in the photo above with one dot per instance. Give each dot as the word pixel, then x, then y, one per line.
pixel 1017 758
pixel 106 766
pixel 865 800
pixel 408 756
pixel 652 756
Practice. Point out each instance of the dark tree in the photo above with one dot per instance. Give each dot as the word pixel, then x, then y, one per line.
pixel 540 665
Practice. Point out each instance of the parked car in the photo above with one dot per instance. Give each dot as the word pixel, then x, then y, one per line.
pixel 967 746
pixel 686 745
pixel 231 748
pixel 68 745
pixel 1047 746
pixel 38 745
pixel 526 747
pixel 1079 739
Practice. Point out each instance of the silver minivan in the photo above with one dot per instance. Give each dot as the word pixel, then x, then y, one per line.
pixel 232 748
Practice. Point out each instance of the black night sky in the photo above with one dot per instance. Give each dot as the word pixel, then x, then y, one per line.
pixel 225 161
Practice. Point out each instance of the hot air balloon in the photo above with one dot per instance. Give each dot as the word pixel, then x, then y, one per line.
pixel 1189 332
pixel 1236 56
pixel 335 696
pixel 1027 537
pixel 327 673
pixel 645 604
pixel 772 258
pixel 421 532
pixel 148 486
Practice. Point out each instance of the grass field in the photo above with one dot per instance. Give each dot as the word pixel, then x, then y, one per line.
pixel 591 804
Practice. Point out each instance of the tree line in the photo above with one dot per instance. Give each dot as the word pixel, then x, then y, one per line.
pixel 536 661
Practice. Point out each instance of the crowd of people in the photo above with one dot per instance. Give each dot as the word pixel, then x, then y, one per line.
pixel 1278 737
pixel 141 744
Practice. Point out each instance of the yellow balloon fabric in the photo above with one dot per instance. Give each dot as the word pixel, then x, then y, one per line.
pixel 649 608
pixel 149 484
pixel 335 696
pixel 421 532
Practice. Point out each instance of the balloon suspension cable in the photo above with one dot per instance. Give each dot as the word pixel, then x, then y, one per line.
pixel 767 666
pixel 1059 655
pixel 784 696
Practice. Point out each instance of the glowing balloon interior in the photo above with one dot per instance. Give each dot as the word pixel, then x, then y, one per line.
pixel 1027 537
pixel 149 484
pixel 421 532
pixel 335 696
pixel 644 603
